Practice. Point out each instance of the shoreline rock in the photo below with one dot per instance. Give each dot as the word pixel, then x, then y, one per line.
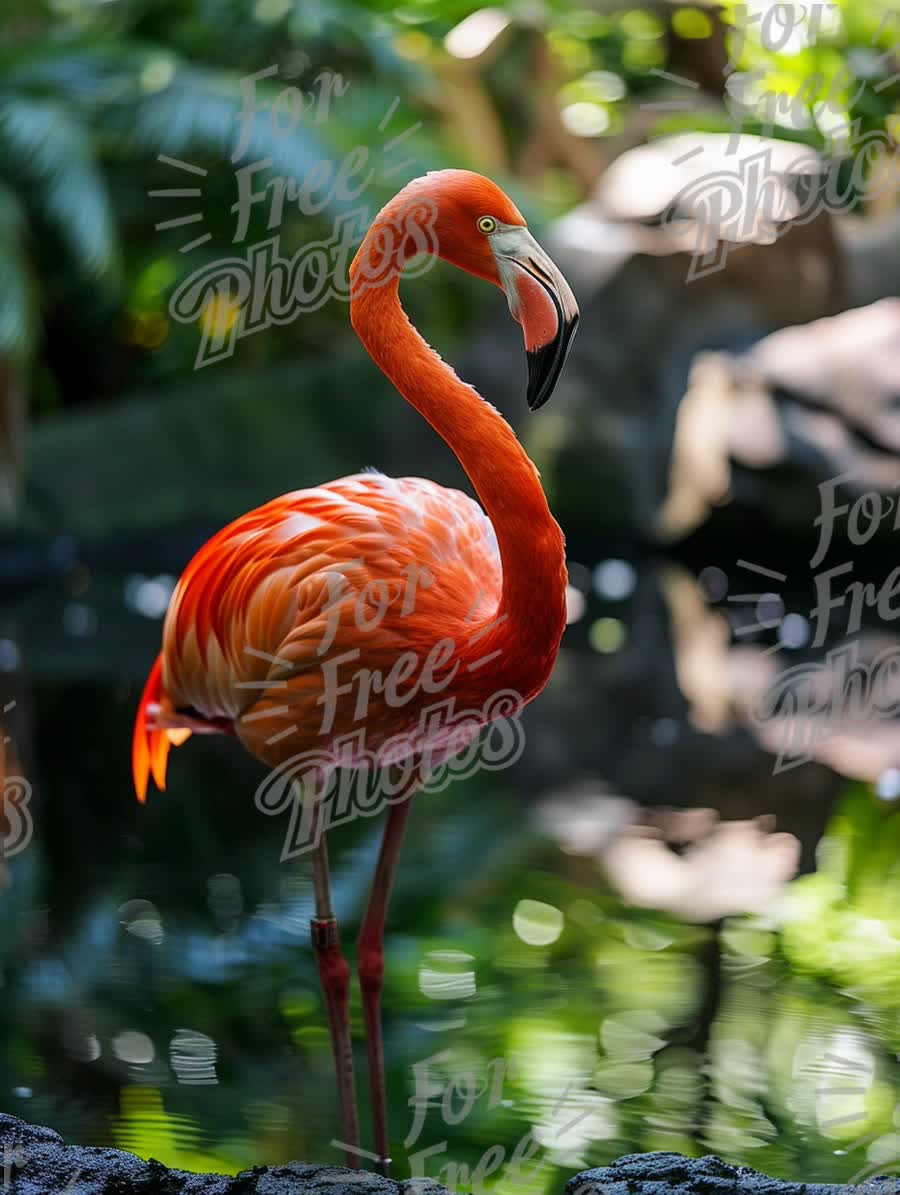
pixel 674 1174
pixel 36 1161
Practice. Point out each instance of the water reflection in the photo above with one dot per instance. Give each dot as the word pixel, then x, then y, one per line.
pixel 576 970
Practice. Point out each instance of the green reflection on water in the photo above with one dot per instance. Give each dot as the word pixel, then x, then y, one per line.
pixel 535 1024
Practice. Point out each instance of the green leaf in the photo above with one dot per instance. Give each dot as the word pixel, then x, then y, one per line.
pixel 18 308
pixel 197 113
pixel 50 154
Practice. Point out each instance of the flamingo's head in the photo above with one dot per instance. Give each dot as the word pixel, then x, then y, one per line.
pixel 478 228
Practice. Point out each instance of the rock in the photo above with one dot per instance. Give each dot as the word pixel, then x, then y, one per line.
pixel 817 402
pixel 36 1161
pixel 672 1174
pixel 713 187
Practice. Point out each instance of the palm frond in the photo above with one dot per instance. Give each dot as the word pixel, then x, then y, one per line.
pixel 140 99
pixel 198 114
pixel 18 306
pixel 18 332
pixel 80 68
pixel 50 155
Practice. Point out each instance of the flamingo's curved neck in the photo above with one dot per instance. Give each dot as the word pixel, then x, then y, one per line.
pixel 532 605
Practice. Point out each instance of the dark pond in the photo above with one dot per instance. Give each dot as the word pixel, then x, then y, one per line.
pixel 574 972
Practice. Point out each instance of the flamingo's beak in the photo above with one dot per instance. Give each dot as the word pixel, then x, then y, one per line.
pixel 542 301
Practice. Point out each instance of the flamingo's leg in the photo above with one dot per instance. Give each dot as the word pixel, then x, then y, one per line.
pixel 370 961
pixel 334 973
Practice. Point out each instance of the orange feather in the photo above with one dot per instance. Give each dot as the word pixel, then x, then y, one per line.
pixel 149 747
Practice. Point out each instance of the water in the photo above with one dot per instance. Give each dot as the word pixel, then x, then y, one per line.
pixel 159 992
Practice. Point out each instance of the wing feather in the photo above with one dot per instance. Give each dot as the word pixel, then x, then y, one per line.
pixel 256 604
pixel 270 598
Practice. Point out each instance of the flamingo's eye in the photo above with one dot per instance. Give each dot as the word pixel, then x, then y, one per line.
pixel 487 224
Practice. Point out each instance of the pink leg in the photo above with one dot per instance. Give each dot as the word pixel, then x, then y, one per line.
pixel 334 973
pixel 370 961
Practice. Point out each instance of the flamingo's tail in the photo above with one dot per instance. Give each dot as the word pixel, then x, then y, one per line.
pixel 151 743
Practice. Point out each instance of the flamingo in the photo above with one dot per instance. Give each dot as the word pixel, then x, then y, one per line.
pixel 293 629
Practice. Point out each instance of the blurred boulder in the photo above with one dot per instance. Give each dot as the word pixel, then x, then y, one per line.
pixel 818 402
pixel 685 861
pixel 737 867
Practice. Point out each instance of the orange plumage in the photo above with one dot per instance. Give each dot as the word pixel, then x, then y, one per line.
pixel 319 588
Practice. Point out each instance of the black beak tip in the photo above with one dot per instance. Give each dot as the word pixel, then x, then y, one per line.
pixel 546 364
pixel 540 380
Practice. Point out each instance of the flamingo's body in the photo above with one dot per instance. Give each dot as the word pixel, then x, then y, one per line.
pixel 345 612
pixel 325 589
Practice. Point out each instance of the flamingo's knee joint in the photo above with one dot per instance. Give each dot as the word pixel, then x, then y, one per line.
pixel 324 933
